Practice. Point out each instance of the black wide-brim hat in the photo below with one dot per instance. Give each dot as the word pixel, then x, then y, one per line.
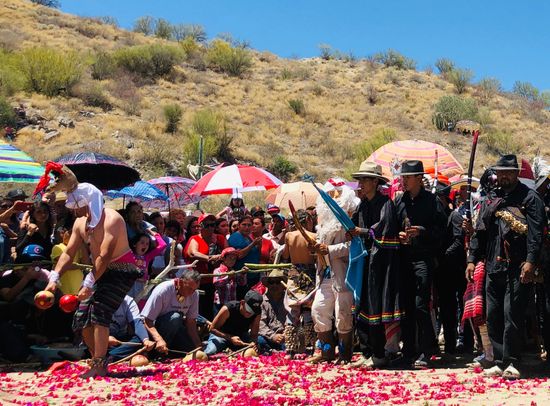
pixel 412 168
pixel 507 163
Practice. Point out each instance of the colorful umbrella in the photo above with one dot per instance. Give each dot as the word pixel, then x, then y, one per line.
pixel 16 166
pixel 302 195
pixel 391 155
pixel 228 179
pixel 103 171
pixel 177 190
pixel 141 191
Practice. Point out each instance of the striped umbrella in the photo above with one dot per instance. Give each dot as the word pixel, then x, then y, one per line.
pixel 177 190
pixel 391 155
pixel 16 166
pixel 227 179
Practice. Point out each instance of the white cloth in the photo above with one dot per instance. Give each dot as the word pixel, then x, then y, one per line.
pixel 88 195
pixel 329 304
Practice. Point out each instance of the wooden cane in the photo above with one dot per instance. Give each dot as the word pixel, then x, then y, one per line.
pixel 129 357
pixel 239 351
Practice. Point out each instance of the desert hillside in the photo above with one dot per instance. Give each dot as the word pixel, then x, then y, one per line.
pixel 321 115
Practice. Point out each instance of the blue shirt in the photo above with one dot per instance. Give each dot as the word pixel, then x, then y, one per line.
pixel 239 241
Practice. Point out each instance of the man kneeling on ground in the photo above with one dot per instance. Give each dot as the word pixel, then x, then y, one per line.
pixel 230 328
pixel 171 311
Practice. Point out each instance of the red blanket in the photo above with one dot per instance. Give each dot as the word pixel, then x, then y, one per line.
pixel 474 297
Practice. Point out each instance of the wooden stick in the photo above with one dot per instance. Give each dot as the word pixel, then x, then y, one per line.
pixel 40 263
pixel 239 351
pixel 129 357
pixel 231 273
pixel 185 353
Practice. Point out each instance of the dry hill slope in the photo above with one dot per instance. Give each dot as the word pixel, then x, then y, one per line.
pixel 344 104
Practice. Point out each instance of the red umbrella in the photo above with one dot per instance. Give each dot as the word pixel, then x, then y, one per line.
pixel 228 179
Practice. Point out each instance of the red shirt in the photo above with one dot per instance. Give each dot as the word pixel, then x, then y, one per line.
pixel 204 248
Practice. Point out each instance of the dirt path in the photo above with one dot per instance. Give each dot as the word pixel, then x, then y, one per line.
pixel 267 381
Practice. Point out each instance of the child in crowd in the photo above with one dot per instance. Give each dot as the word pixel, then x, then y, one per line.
pixel 226 286
pixel 71 280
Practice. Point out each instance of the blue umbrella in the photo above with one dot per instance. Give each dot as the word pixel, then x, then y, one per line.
pixel 140 190
pixel 357 251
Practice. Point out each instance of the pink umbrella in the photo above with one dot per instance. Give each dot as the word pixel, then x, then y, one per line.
pixel 228 179
pixel 177 190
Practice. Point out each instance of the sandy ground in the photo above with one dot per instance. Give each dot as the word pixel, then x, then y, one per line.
pixel 267 381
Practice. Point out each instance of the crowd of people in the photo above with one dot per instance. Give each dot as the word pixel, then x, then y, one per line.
pixel 442 272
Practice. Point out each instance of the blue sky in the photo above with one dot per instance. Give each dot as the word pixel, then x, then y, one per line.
pixel 508 40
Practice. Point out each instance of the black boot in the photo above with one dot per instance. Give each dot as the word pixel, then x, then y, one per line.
pixel 345 348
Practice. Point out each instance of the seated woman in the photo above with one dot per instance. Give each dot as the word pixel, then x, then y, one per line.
pixel 38 230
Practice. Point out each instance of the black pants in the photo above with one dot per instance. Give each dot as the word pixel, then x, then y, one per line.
pixel 450 283
pixel 506 304
pixel 372 339
pixel 416 285
pixel 206 301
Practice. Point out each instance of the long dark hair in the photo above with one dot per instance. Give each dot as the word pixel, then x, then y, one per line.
pixel 42 205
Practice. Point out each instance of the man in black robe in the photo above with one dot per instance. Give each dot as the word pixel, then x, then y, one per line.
pixel 422 225
pixel 376 223
pixel 509 236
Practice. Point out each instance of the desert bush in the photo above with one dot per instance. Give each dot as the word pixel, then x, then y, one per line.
pixel 172 114
pixel 7 115
pixel 144 25
pixel 297 106
pixel 234 61
pixel 124 89
pixel 108 20
pixel 501 142
pixel 195 32
pixel 92 94
pixel 11 79
pixel 283 168
pixel 103 67
pixel 525 90
pixel 392 58
pixel 460 78
pixel 48 3
pixel 50 72
pixel 484 117
pixel 163 29
pixel 487 88
pixel 286 74
pixel 326 52
pixel 89 28
pixel 297 73
pixel 444 66
pixel 377 139
pixel 149 61
pixel 450 109
pixel 372 95
pixel 317 90
pixel 212 126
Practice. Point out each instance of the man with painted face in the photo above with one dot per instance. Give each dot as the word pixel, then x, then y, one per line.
pixel 114 269
pixel 508 235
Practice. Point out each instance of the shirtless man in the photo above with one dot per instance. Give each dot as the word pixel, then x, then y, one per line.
pixel 297 303
pixel 114 269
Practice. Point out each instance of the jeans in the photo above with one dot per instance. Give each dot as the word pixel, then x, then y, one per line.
pixel 117 353
pixel 266 345
pixel 506 303
pixel 416 292
pixel 217 344
pixel 171 326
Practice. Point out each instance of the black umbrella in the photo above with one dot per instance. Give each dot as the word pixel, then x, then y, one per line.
pixel 103 171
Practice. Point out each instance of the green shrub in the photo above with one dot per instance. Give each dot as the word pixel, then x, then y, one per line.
pixel 163 29
pixel 195 32
pixel 502 142
pixel 444 65
pixel 234 61
pixel 149 61
pixel 450 109
pixel 103 67
pixel 297 106
pixel 372 95
pixel 282 168
pixel 460 78
pixel 172 114
pixel 7 115
pixel 378 138
pixel 213 127
pixel 326 52
pixel 392 58
pixel 11 79
pixel 526 91
pixel 50 72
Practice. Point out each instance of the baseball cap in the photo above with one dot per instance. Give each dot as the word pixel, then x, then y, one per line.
pixel 16 194
pixel 273 209
pixel 31 252
pixel 253 302
pixel 206 216
pixel 228 251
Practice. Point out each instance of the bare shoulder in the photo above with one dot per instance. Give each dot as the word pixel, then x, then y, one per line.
pixel 112 217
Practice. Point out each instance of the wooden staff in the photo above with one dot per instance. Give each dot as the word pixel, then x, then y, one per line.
pixel 129 357
pixel 240 351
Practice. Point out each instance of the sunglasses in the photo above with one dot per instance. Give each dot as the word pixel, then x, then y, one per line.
pixel 209 225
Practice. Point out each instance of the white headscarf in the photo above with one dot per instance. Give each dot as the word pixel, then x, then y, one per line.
pixel 87 194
